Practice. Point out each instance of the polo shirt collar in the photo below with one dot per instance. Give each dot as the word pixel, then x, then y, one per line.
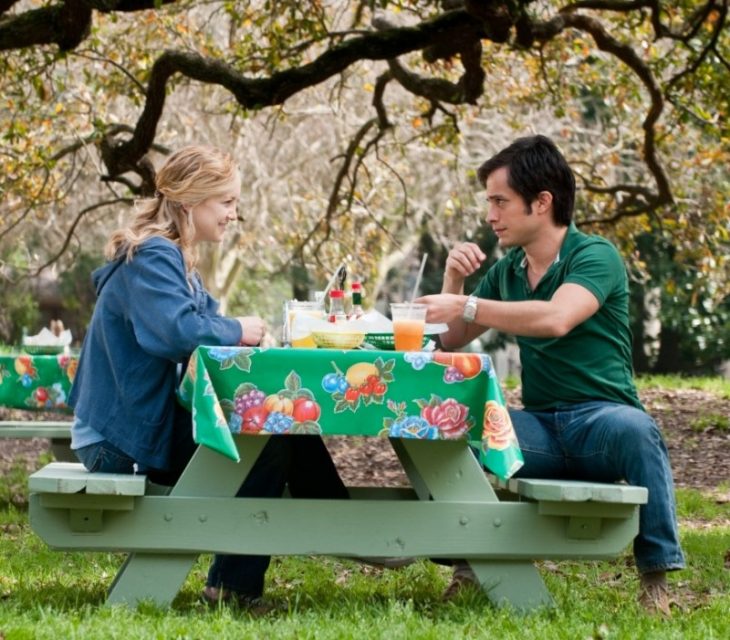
pixel 570 240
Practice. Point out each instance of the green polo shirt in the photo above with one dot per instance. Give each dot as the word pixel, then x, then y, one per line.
pixel 593 361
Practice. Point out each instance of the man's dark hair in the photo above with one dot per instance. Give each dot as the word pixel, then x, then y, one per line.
pixel 535 164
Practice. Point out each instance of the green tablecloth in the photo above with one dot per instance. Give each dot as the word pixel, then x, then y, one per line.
pixel 39 382
pixel 429 396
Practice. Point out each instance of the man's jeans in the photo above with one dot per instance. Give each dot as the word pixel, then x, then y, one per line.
pixel 605 442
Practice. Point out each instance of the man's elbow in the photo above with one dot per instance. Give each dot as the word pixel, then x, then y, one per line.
pixel 450 342
pixel 559 328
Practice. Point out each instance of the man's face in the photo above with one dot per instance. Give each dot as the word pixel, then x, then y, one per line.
pixel 507 212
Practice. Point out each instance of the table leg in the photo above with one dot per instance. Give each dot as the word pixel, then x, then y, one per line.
pixel 512 583
pixel 449 471
pixel 158 577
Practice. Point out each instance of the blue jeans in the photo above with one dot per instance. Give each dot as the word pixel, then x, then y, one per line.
pixel 605 442
pixel 301 462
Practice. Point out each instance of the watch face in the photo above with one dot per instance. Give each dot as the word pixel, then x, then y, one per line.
pixel 470 309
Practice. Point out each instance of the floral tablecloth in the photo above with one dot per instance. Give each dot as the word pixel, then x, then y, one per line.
pixel 424 395
pixel 40 382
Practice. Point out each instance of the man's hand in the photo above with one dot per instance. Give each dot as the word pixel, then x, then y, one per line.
pixel 463 260
pixel 443 307
pixel 253 329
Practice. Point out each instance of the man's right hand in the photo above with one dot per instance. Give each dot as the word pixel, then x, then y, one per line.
pixel 463 260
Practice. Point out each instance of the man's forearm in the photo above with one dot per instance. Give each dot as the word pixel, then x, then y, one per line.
pixel 452 284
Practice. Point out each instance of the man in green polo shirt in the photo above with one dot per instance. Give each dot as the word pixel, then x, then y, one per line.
pixel 564 295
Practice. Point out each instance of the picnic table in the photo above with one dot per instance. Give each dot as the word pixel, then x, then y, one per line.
pixel 429 407
pixel 39 383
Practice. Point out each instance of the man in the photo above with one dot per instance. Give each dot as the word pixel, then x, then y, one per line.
pixel 564 294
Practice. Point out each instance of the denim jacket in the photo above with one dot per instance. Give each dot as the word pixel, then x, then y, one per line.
pixel 148 318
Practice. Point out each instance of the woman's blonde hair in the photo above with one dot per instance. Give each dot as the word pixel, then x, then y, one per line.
pixel 188 177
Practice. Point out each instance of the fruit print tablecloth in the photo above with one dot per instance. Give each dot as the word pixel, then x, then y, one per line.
pixel 423 395
pixel 40 382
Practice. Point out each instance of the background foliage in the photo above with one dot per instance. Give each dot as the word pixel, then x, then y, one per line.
pixel 358 126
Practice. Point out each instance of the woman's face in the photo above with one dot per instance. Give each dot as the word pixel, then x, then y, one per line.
pixel 212 215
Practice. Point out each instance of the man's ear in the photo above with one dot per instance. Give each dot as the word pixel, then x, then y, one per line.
pixel 544 202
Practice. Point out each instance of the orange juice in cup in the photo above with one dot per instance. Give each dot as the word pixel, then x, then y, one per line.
pixel 409 322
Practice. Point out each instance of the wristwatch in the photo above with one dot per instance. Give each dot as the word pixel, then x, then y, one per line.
pixel 470 309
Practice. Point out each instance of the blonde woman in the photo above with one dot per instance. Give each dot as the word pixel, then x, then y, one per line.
pixel 152 311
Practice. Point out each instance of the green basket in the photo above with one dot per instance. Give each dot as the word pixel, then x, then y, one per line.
pixel 386 342
pixel 42 349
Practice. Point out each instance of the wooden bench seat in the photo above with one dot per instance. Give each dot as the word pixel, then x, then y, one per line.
pixel 35 429
pixel 73 509
pixel 57 431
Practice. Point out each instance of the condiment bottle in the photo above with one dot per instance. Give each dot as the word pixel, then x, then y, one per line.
pixel 337 306
pixel 357 311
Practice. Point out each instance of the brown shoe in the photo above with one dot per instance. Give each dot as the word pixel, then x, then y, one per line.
pixel 654 594
pixel 463 579
pixel 214 597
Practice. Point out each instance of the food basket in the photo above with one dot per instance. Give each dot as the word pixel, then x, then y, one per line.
pixel 386 342
pixel 338 339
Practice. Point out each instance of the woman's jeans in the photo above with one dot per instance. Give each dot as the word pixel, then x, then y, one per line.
pixel 300 461
pixel 304 464
pixel 605 442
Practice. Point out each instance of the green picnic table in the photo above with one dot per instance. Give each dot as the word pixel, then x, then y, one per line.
pixel 38 383
pixel 429 407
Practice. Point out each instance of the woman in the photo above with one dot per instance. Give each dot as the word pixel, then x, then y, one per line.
pixel 152 311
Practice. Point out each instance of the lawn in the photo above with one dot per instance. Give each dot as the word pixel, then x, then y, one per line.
pixel 50 594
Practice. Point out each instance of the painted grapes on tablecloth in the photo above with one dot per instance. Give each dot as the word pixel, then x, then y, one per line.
pixel 292 409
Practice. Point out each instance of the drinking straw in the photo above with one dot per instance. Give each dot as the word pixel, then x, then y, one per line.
pixel 332 281
pixel 418 279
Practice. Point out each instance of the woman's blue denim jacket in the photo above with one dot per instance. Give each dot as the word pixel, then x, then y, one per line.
pixel 149 316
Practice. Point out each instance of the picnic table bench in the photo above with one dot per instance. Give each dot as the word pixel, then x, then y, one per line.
pixel 57 431
pixel 451 509
pixel 164 531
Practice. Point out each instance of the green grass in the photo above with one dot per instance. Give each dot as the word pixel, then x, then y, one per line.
pixel 710 421
pixel 53 594
pixel 717 385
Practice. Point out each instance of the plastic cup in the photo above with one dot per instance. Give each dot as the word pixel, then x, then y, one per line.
pixel 300 336
pixel 409 322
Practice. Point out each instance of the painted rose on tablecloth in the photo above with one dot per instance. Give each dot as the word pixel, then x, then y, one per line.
pixel 498 430
pixel 26 370
pixel 439 419
pixel 68 364
pixel 413 427
pixel 450 417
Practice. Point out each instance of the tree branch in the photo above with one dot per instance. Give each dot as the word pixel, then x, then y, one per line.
pixel 628 56
pixel 74 224
pixel 256 93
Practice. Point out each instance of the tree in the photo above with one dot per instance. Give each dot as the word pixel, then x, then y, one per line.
pixel 635 92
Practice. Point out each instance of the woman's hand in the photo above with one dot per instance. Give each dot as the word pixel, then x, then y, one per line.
pixel 253 329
